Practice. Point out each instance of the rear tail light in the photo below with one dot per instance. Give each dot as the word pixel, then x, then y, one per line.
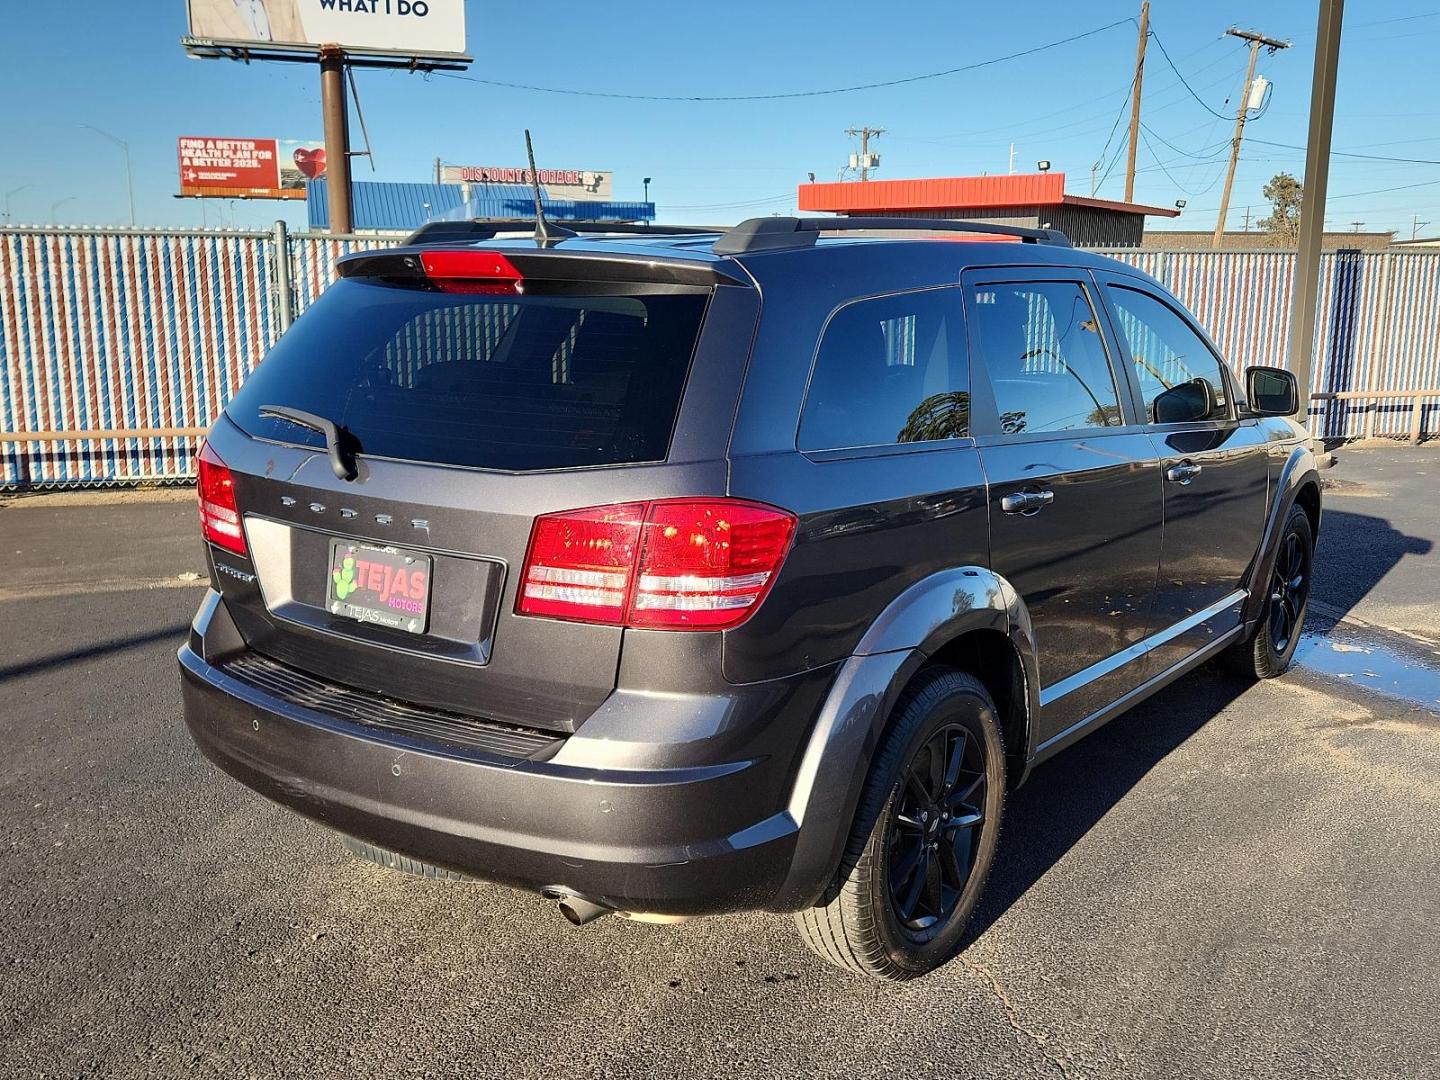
pixel 471 271
pixel 219 514
pixel 580 564
pixel 672 564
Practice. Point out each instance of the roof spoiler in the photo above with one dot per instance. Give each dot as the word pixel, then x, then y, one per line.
pixel 551 266
pixel 790 233
pixel 475 229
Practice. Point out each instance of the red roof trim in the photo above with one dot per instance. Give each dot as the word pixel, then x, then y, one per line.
pixel 955 192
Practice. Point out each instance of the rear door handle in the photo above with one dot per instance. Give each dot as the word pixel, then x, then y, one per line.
pixel 1027 502
pixel 1182 473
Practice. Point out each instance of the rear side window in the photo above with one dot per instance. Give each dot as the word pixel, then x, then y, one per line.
pixel 890 370
pixel 504 382
pixel 1165 351
pixel 1041 345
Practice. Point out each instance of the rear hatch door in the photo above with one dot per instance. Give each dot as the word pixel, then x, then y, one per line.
pixel 467 406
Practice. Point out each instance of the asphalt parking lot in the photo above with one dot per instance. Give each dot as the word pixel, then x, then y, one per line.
pixel 1229 881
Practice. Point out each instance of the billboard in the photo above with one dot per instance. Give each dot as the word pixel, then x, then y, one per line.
pixel 583 184
pixel 247 168
pixel 389 27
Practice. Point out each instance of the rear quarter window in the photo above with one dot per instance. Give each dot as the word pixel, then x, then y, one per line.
pixel 503 382
pixel 889 370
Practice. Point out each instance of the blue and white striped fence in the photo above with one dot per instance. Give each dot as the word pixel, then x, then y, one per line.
pixel 154 331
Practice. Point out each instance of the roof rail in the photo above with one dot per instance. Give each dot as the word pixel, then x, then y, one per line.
pixel 438 232
pixel 789 233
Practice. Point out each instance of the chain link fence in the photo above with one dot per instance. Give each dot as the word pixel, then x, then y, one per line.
pixel 119 347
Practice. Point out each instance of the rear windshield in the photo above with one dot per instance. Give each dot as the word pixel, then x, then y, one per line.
pixel 499 382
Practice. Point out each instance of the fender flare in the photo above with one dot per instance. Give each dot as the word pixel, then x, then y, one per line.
pixel 847 733
pixel 1299 471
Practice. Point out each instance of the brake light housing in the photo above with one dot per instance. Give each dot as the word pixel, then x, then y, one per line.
pixel 667 564
pixel 219 513
pixel 487 272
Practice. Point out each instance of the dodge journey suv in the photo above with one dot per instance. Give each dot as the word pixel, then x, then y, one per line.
pixel 669 573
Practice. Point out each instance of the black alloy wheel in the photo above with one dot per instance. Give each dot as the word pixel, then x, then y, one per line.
pixel 1289 589
pixel 1270 646
pixel 935 828
pixel 924 836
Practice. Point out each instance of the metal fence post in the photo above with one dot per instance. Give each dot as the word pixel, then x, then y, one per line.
pixel 1379 348
pixel 284 297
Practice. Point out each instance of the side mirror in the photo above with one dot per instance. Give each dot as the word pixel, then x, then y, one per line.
pixel 1182 404
pixel 1272 391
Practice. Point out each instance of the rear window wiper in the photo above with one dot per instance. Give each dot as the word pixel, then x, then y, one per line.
pixel 341 443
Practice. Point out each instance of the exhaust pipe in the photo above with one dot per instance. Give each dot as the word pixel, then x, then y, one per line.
pixel 576 909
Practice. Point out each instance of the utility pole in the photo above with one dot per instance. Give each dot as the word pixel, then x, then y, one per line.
pixel 1256 40
pixel 1135 101
pixel 1306 285
pixel 1247 219
pixel 1012 159
pixel 1416 225
pixel 1355 226
pixel 865 134
pixel 336 113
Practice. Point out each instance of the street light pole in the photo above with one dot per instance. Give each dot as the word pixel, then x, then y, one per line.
pixel 22 187
pixel 129 174
pixel 646 182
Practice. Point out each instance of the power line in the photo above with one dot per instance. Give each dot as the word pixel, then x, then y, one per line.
pixel 1145 134
pixel 968 137
pixel 1202 155
pixel 1351 154
pixel 1116 125
pixel 786 197
pixel 1166 53
pixel 1353 194
pixel 794 93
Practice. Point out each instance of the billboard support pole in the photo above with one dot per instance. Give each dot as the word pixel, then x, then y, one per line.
pixel 337 137
pixel 1306 285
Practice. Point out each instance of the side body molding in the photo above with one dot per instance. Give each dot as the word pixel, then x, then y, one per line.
pixel 847 734
pixel 1299 470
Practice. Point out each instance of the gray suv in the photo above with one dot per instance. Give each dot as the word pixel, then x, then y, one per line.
pixel 670 573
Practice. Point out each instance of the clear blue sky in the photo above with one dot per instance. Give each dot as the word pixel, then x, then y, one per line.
pixel 118 64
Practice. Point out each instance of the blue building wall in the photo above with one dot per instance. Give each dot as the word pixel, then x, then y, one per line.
pixel 398 207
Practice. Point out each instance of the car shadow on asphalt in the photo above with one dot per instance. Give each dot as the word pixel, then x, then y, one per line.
pixel 1353 553
pixel 1067 795
pixel 1064 798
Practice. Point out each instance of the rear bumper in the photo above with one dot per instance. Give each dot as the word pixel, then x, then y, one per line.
pixel 623 838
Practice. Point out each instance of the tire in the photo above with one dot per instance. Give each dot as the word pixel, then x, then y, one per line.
pixel 864 925
pixel 1270 647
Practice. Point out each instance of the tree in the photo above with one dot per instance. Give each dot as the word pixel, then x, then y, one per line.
pixel 939 416
pixel 1286 195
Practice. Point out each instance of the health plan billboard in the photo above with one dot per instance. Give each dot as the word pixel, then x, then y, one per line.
pixel 247 168
pixel 409 28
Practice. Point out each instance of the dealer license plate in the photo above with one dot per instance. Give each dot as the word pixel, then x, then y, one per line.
pixel 383 585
